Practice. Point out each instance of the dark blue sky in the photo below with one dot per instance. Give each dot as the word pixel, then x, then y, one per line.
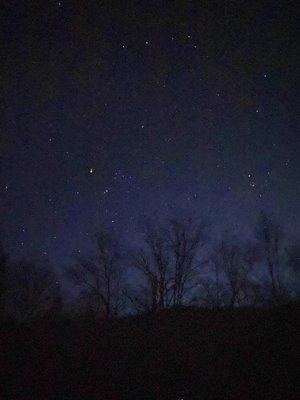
pixel 112 110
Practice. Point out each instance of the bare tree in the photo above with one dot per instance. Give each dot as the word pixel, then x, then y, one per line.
pixel 254 292
pixel 153 262
pixel 212 288
pixel 271 241
pixel 4 278
pixel 34 292
pixel 236 261
pixel 293 261
pixel 99 277
pixel 167 263
pixel 185 238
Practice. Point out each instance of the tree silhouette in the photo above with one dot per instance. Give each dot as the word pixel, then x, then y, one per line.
pixel 212 288
pixel 293 261
pixel 153 262
pixel 271 241
pixel 4 278
pixel 99 277
pixel 34 292
pixel 167 263
pixel 235 261
pixel 185 238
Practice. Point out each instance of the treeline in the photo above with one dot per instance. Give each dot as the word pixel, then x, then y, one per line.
pixel 174 264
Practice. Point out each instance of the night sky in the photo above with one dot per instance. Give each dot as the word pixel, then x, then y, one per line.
pixel 112 110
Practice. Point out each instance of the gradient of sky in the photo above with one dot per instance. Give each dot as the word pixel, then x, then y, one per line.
pixel 112 110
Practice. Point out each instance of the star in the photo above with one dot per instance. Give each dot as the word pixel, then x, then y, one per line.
pixel 142 120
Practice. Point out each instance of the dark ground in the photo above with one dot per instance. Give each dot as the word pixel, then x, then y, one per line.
pixel 180 354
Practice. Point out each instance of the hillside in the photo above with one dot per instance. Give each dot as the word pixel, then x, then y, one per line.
pixel 178 354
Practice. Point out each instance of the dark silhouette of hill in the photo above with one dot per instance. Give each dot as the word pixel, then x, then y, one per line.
pixel 184 353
